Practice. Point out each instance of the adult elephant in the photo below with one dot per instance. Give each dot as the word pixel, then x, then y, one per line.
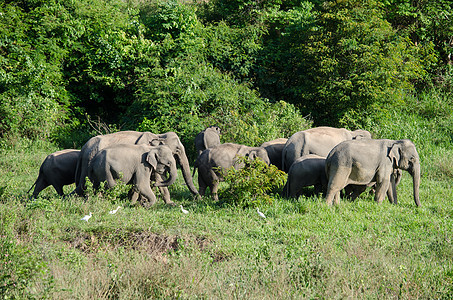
pixel 318 140
pixel 361 162
pixel 308 170
pixel 97 143
pixel 208 138
pixel 57 170
pixel 134 164
pixel 274 150
pixel 212 162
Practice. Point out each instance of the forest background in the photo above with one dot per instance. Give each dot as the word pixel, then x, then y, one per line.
pixel 251 67
pixel 259 70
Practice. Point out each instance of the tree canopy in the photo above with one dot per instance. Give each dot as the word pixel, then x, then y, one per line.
pixel 252 67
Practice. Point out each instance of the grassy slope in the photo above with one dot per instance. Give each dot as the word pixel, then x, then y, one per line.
pixel 302 249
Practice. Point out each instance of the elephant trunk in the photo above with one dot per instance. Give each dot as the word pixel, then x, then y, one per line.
pixel 173 174
pixel 184 162
pixel 416 179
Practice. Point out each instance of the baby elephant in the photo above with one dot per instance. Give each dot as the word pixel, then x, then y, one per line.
pixel 213 161
pixel 57 170
pixel 134 164
pixel 306 171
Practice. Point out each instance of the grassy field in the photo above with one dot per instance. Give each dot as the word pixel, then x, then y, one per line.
pixel 303 249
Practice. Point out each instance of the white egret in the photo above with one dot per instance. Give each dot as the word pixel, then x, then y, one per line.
pixel 114 211
pixel 86 218
pixel 183 210
pixel 260 213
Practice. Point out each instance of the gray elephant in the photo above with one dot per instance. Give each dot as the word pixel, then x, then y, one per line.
pixel 274 150
pixel 361 162
pixel 134 164
pixel 57 170
pixel 208 138
pixel 97 143
pixel 213 161
pixel 308 170
pixel 319 141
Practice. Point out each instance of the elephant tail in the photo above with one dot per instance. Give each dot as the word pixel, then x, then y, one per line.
pixel 40 175
pixel 195 167
pixel 34 184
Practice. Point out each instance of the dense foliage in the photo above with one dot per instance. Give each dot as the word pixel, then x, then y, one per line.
pixel 251 185
pixel 169 65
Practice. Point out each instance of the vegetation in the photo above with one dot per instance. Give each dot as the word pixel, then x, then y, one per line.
pixel 250 185
pixel 259 70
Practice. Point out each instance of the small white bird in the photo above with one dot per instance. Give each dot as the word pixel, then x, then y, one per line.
pixel 260 213
pixel 114 211
pixel 183 210
pixel 86 218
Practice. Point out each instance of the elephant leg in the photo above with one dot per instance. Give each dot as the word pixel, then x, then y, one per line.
pixel 318 188
pixel 59 189
pixel 381 190
pixel 337 198
pixel 214 184
pixel 214 189
pixel 201 184
pixel 145 190
pixel 337 181
pixel 357 190
pixel 166 195
pixel 133 195
pixel 391 192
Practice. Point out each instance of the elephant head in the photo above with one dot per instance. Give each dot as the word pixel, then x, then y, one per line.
pixel 404 156
pixel 211 136
pixel 259 152
pixel 162 161
pixel 215 129
pixel 171 139
pixel 360 134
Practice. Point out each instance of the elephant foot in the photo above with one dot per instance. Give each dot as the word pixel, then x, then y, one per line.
pixel 171 203
pixel 147 204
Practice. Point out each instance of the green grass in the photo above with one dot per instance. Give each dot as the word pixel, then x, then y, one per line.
pixel 303 249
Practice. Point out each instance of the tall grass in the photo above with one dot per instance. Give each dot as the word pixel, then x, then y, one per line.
pixel 303 249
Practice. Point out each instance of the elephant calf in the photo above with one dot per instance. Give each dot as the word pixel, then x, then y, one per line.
pixel 57 170
pixel 134 164
pixel 306 171
pixel 212 161
pixel 361 162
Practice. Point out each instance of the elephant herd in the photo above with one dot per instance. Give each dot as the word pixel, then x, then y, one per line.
pixel 333 160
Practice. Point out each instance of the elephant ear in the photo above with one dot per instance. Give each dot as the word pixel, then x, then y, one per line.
pixel 395 155
pixel 252 155
pixel 151 158
pixel 157 142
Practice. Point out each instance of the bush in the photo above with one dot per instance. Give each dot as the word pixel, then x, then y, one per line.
pixel 250 185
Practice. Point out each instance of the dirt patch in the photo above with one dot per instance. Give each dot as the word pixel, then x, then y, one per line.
pixel 146 241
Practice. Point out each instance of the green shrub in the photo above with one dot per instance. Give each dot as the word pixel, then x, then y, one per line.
pixel 250 185
pixel 18 265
